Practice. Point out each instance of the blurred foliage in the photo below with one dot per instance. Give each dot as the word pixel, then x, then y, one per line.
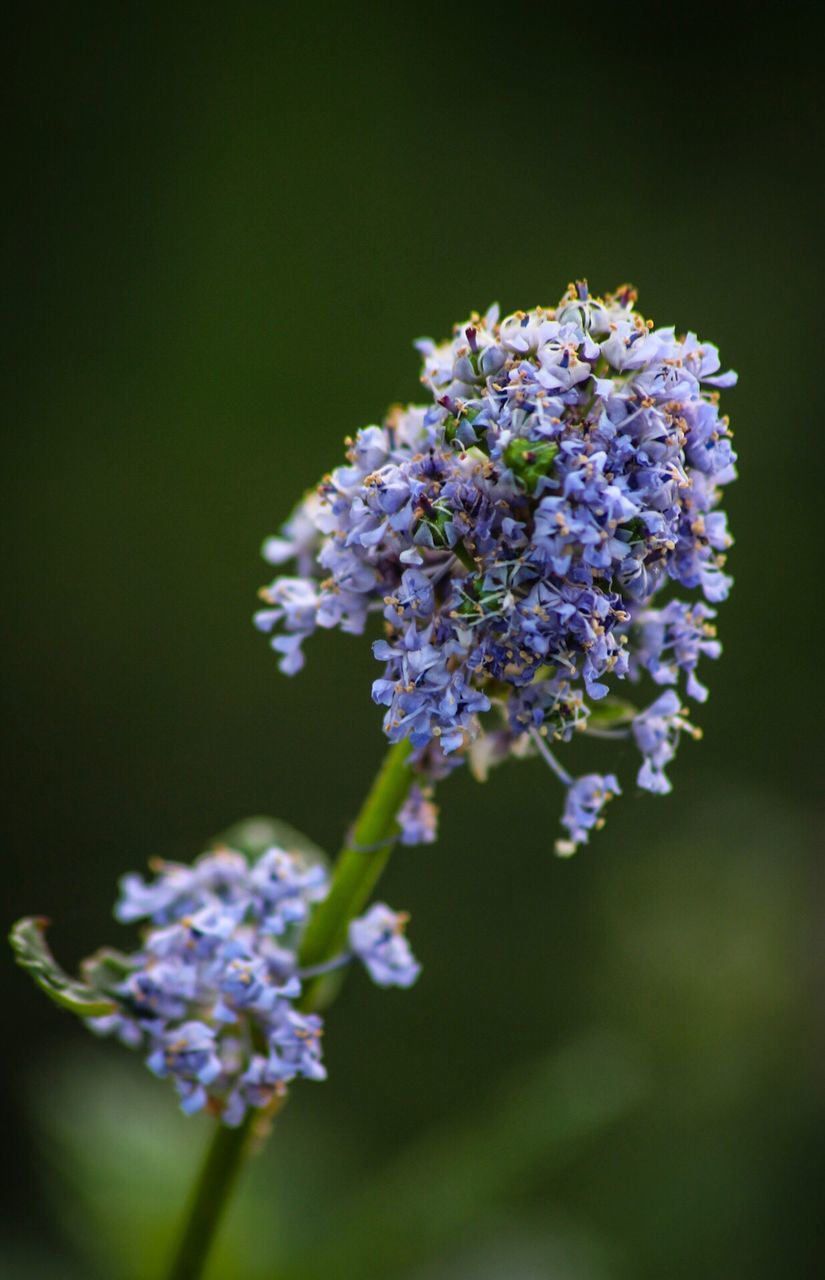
pixel 226 225
pixel 639 1154
pixel 253 836
pixel 116 1160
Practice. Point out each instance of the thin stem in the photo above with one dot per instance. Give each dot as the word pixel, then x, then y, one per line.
pixel 209 1198
pixel 320 970
pixel 549 758
pixel 612 735
pixel 357 869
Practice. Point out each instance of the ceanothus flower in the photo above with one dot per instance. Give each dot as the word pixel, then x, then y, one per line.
pixel 585 800
pixel 212 996
pixel 543 532
pixel 188 1054
pixel 657 731
pixel 418 818
pixel 378 940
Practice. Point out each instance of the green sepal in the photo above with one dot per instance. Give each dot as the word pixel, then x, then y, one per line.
pixel 437 525
pixel 253 836
pixel 453 422
pixel 475 600
pixel 635 529
pixel 435 521
pixel 28 940
pixel 451 425
pixel 530 460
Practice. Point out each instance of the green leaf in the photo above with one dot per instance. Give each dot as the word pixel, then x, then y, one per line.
pixel 28 940
pixel 253 836
pixel 611 712
pixel 106 969
pixel 445 1181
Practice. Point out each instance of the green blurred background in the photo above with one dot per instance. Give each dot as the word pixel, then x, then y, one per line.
pixel 226 223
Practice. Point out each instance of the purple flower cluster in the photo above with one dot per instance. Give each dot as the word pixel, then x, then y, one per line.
pixel 211 997
pixel 521 535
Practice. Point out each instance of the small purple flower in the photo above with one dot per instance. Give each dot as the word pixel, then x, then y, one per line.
pixel 585 800
pixel 245 983
pixel 122 1028
pixel 418 818
pixel 142 901
pixel 657 731
pixel 284 889
pixel 161 991
pixel 188 1054
pixel 295 1047
pixel 377 939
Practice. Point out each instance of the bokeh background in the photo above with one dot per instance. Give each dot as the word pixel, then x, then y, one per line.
pixel 226 223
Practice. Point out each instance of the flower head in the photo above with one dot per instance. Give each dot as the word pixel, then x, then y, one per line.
pixel 517 532
pixel 212 994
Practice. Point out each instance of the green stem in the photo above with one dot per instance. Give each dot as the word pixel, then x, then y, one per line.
pixel 209 1198
pixel 357 869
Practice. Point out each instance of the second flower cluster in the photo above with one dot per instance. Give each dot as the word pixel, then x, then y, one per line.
pixel 213 996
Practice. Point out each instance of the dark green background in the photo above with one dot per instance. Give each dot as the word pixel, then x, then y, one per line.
pixel 226 223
